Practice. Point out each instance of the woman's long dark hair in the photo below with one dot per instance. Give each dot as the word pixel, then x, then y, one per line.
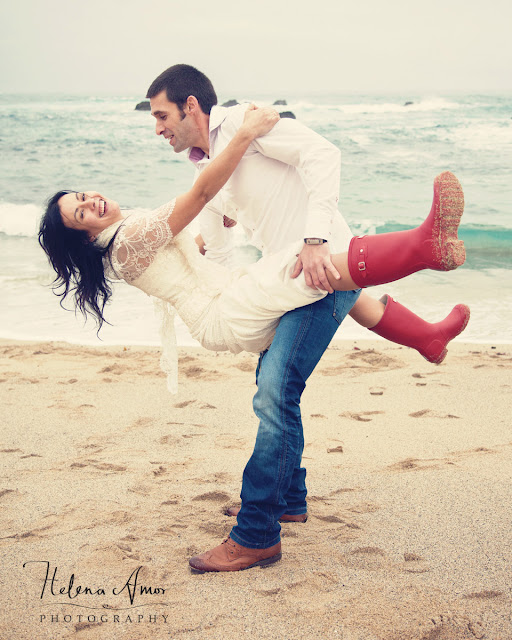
pixel 77 261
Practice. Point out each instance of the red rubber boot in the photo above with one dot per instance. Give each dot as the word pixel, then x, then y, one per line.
pixel 402 326
pixel 434 244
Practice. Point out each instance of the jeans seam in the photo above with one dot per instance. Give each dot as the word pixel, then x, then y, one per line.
pixel 306 323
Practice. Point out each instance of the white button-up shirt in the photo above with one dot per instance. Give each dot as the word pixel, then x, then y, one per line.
pixel 285 188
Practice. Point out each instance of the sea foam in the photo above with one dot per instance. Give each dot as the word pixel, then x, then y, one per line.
pixel 19 219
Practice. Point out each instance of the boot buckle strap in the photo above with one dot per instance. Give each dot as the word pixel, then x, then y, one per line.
pixel 361 249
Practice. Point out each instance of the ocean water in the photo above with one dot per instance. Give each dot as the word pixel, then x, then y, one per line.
pixel 391 153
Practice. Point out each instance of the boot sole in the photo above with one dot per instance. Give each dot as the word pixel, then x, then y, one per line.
pixel 450 251
pixel 260 563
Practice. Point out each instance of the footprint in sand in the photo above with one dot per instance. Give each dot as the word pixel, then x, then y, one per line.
pixel 160 471
pixel 413 464
pixel 141 489
pixel 414 563
pixel 169 531
pixel 268 592
pixel 245 366
pixel 101 466
pixel 115 369
pixel 484 595
pixel 341 523
pixel 338 449
pixel 342 490
pixel 300 590
pixel 428 413
pixel 222 476
pixel 185 403
pixel 368 551
pixel 377 391
pixel 107 466
pixel 364 507
pixel 195 372
pixel 111 555
pixel 214 529
pixel 332 519
pixel 143 422
pixel 214 496
pixel 360 416
pixel 170 502
pixel 368 559
pixel 171 440
pixel 227 441
pixel 97 448
pixel 448 627
pixel 8 492
pixel 83 626
pixel 188 424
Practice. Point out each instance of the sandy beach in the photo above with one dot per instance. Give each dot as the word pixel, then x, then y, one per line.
pixel 109 484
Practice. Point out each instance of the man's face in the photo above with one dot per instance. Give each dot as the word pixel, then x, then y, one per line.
pixel 175 125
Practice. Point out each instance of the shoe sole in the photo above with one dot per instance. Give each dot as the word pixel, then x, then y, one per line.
pixel 260 563
pixel 450 251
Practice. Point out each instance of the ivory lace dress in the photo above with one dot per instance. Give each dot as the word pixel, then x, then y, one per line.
pixel 223 310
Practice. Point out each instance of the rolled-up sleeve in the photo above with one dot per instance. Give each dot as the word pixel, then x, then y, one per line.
pixel 217 238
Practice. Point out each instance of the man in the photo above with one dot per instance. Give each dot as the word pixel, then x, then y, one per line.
pixel 285 188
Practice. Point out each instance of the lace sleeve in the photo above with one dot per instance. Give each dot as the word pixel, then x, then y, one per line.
pixel 138 241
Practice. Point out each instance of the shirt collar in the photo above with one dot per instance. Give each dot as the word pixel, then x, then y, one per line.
pixel 217 117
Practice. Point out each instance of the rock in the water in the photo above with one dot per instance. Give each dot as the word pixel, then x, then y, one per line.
pixel 230 103
pixel 143 106
pixel 408 103
pixel 281 102
pixel 287 114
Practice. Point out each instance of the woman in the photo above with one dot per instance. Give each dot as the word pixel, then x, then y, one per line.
pixel 89 242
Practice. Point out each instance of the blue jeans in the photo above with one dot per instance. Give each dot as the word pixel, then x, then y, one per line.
pixel 274 482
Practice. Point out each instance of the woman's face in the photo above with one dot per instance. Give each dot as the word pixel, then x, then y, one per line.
pixel 88 211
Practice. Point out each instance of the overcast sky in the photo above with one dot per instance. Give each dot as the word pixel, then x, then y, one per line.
pixel 279 46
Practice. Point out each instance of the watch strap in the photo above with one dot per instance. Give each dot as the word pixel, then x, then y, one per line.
pixel 314 240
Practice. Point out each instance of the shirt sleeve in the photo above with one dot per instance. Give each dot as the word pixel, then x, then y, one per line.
pixel 138 240
pixel 319 162
pixel 218 240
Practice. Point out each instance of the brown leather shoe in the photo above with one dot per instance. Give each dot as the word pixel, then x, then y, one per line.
pixel 301 517
pixel 231 556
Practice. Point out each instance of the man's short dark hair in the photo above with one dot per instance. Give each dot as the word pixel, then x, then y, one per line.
pixel 181 81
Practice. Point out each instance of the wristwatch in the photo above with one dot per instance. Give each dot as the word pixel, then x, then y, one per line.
pixel 314 240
